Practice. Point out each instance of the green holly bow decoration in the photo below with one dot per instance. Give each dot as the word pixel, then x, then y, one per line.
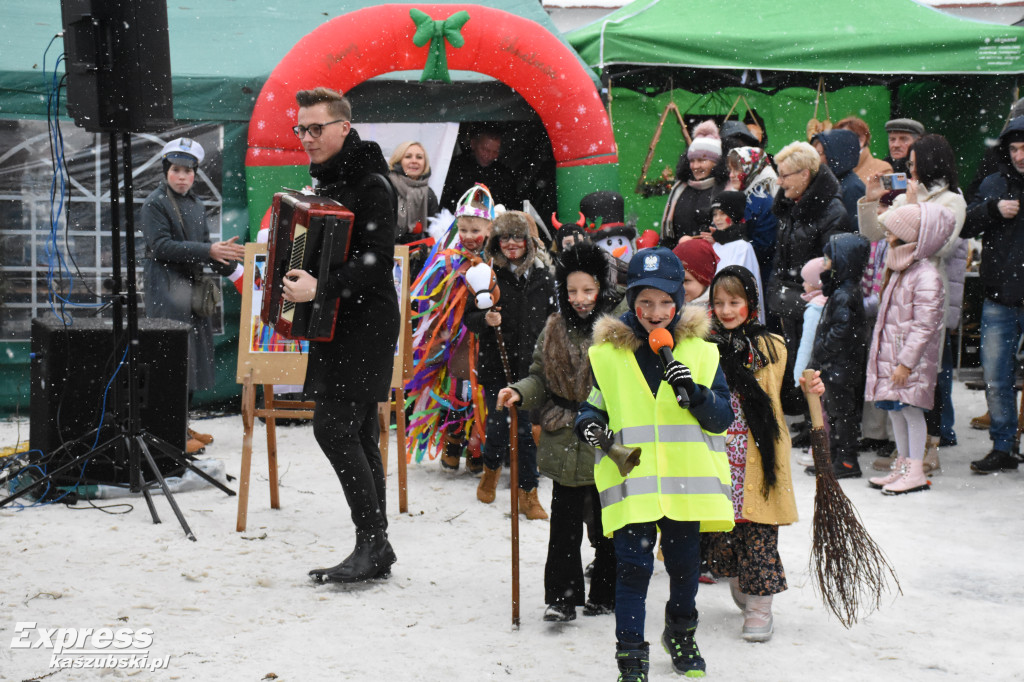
pixel 436 32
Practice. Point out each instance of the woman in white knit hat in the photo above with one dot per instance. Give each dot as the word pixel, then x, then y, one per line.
pixel 700 176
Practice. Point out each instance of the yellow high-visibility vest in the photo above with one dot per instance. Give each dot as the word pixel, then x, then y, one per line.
pixel 683 472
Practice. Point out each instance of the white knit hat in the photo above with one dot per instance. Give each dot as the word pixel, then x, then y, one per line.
pixel 706 142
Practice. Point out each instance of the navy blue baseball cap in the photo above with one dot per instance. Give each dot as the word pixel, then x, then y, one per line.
pixel 656 268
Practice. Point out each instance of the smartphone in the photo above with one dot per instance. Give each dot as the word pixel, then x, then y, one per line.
pixel 894 181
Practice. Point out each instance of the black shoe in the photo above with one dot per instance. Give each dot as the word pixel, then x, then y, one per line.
pixel 947 442
pixel 634 661
pixel 595 609
pixel 372 558
pixel 997 460
pixel 678 640
pixel 846 467
pixel 559 612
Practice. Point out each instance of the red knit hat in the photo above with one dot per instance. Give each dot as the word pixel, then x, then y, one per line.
pixel 699 259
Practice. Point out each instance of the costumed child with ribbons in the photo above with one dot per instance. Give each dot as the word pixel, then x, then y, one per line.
pixel 558 382
pixel 676 413
pixel 758 448
pixel 444 391
pixel 508 333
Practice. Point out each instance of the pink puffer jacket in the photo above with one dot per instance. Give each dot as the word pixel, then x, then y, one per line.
pixel 910 319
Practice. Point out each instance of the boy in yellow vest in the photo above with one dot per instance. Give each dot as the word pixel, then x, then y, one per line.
pixel 682 484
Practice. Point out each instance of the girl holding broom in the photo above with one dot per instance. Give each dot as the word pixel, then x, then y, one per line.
pixel 757 445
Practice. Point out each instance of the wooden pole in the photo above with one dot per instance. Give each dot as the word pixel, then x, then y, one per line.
pixel 514 485
pixel 513 462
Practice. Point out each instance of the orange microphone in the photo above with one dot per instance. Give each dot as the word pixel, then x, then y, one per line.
pixel 661 342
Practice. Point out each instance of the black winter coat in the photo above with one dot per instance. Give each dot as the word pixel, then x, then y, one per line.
pixel 805 226
pixel 840 343
pixel 525 305
pixel 1002 262
pixel 357 363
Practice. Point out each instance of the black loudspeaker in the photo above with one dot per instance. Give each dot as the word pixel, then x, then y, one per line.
pixel 71 368
pixel 118 62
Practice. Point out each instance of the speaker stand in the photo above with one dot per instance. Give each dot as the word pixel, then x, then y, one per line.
pixel 132 440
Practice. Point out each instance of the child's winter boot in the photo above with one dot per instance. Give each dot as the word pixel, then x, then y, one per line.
pixel 898 468
pixel 530 505
pixel 678 640
pixel 452 454
pixel 634 661
pixel 758 623
pixel 912 480
pixel 487 489
pixel 931 456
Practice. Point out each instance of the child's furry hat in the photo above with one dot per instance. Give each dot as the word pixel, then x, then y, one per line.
pixel 510 224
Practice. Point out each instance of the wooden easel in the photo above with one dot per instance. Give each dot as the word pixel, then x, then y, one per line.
pixel 270 369
pixel 400 375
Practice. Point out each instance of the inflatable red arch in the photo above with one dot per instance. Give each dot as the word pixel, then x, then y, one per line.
pixel 357 46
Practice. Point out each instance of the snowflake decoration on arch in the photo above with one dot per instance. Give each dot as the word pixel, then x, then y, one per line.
pixel 271 96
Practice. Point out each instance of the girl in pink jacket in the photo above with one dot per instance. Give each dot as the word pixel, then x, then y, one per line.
pixel 904 357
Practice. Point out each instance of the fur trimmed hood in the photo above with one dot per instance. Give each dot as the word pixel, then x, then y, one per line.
pixel 693 322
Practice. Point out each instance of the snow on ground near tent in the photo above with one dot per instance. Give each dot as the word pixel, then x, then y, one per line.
pixel 238 606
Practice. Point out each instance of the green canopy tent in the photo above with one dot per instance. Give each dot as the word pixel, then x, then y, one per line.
pixel 878 59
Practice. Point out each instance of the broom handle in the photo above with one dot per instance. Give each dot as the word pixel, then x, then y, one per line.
pixel 813 400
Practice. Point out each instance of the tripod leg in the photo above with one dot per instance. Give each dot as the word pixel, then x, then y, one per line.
pixel 163 484
pixel 176 455
pixel 149 503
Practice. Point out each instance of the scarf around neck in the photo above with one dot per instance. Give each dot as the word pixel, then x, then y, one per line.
pixel 413 200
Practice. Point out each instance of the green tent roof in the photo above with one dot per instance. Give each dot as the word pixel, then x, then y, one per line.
pixel 222 51
pixel 822 36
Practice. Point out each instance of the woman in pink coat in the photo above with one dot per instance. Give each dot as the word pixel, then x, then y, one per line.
pixel 904 357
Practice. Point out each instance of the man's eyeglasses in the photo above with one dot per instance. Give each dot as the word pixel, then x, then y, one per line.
pixel 315 130
pixel 505 239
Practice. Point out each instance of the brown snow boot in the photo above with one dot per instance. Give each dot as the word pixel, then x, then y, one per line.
pixel 530 505
pixel 486 490
pixel 931 456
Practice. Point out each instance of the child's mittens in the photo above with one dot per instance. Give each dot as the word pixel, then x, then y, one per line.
pixel 596 434
pixel 677 375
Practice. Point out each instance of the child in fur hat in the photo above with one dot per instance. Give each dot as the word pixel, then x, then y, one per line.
pixel 904 357
pixel 527 299
pixel 640 399
pixel 559 381
pixel 758 445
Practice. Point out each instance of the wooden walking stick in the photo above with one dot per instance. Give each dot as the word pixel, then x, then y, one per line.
pixel 513 463
pixel 848 569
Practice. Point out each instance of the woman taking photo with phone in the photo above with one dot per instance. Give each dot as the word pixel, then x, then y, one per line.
pixel 933 179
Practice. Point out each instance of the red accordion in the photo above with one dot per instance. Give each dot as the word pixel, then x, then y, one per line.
pixel 310 233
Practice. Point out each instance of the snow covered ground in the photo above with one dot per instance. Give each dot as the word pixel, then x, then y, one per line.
pixel 239 607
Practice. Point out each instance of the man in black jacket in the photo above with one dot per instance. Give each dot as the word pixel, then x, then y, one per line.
pixel 995 215
pixel 350 374
pixel 481 165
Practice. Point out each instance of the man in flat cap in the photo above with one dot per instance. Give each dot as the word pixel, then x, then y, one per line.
pixel 903 132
